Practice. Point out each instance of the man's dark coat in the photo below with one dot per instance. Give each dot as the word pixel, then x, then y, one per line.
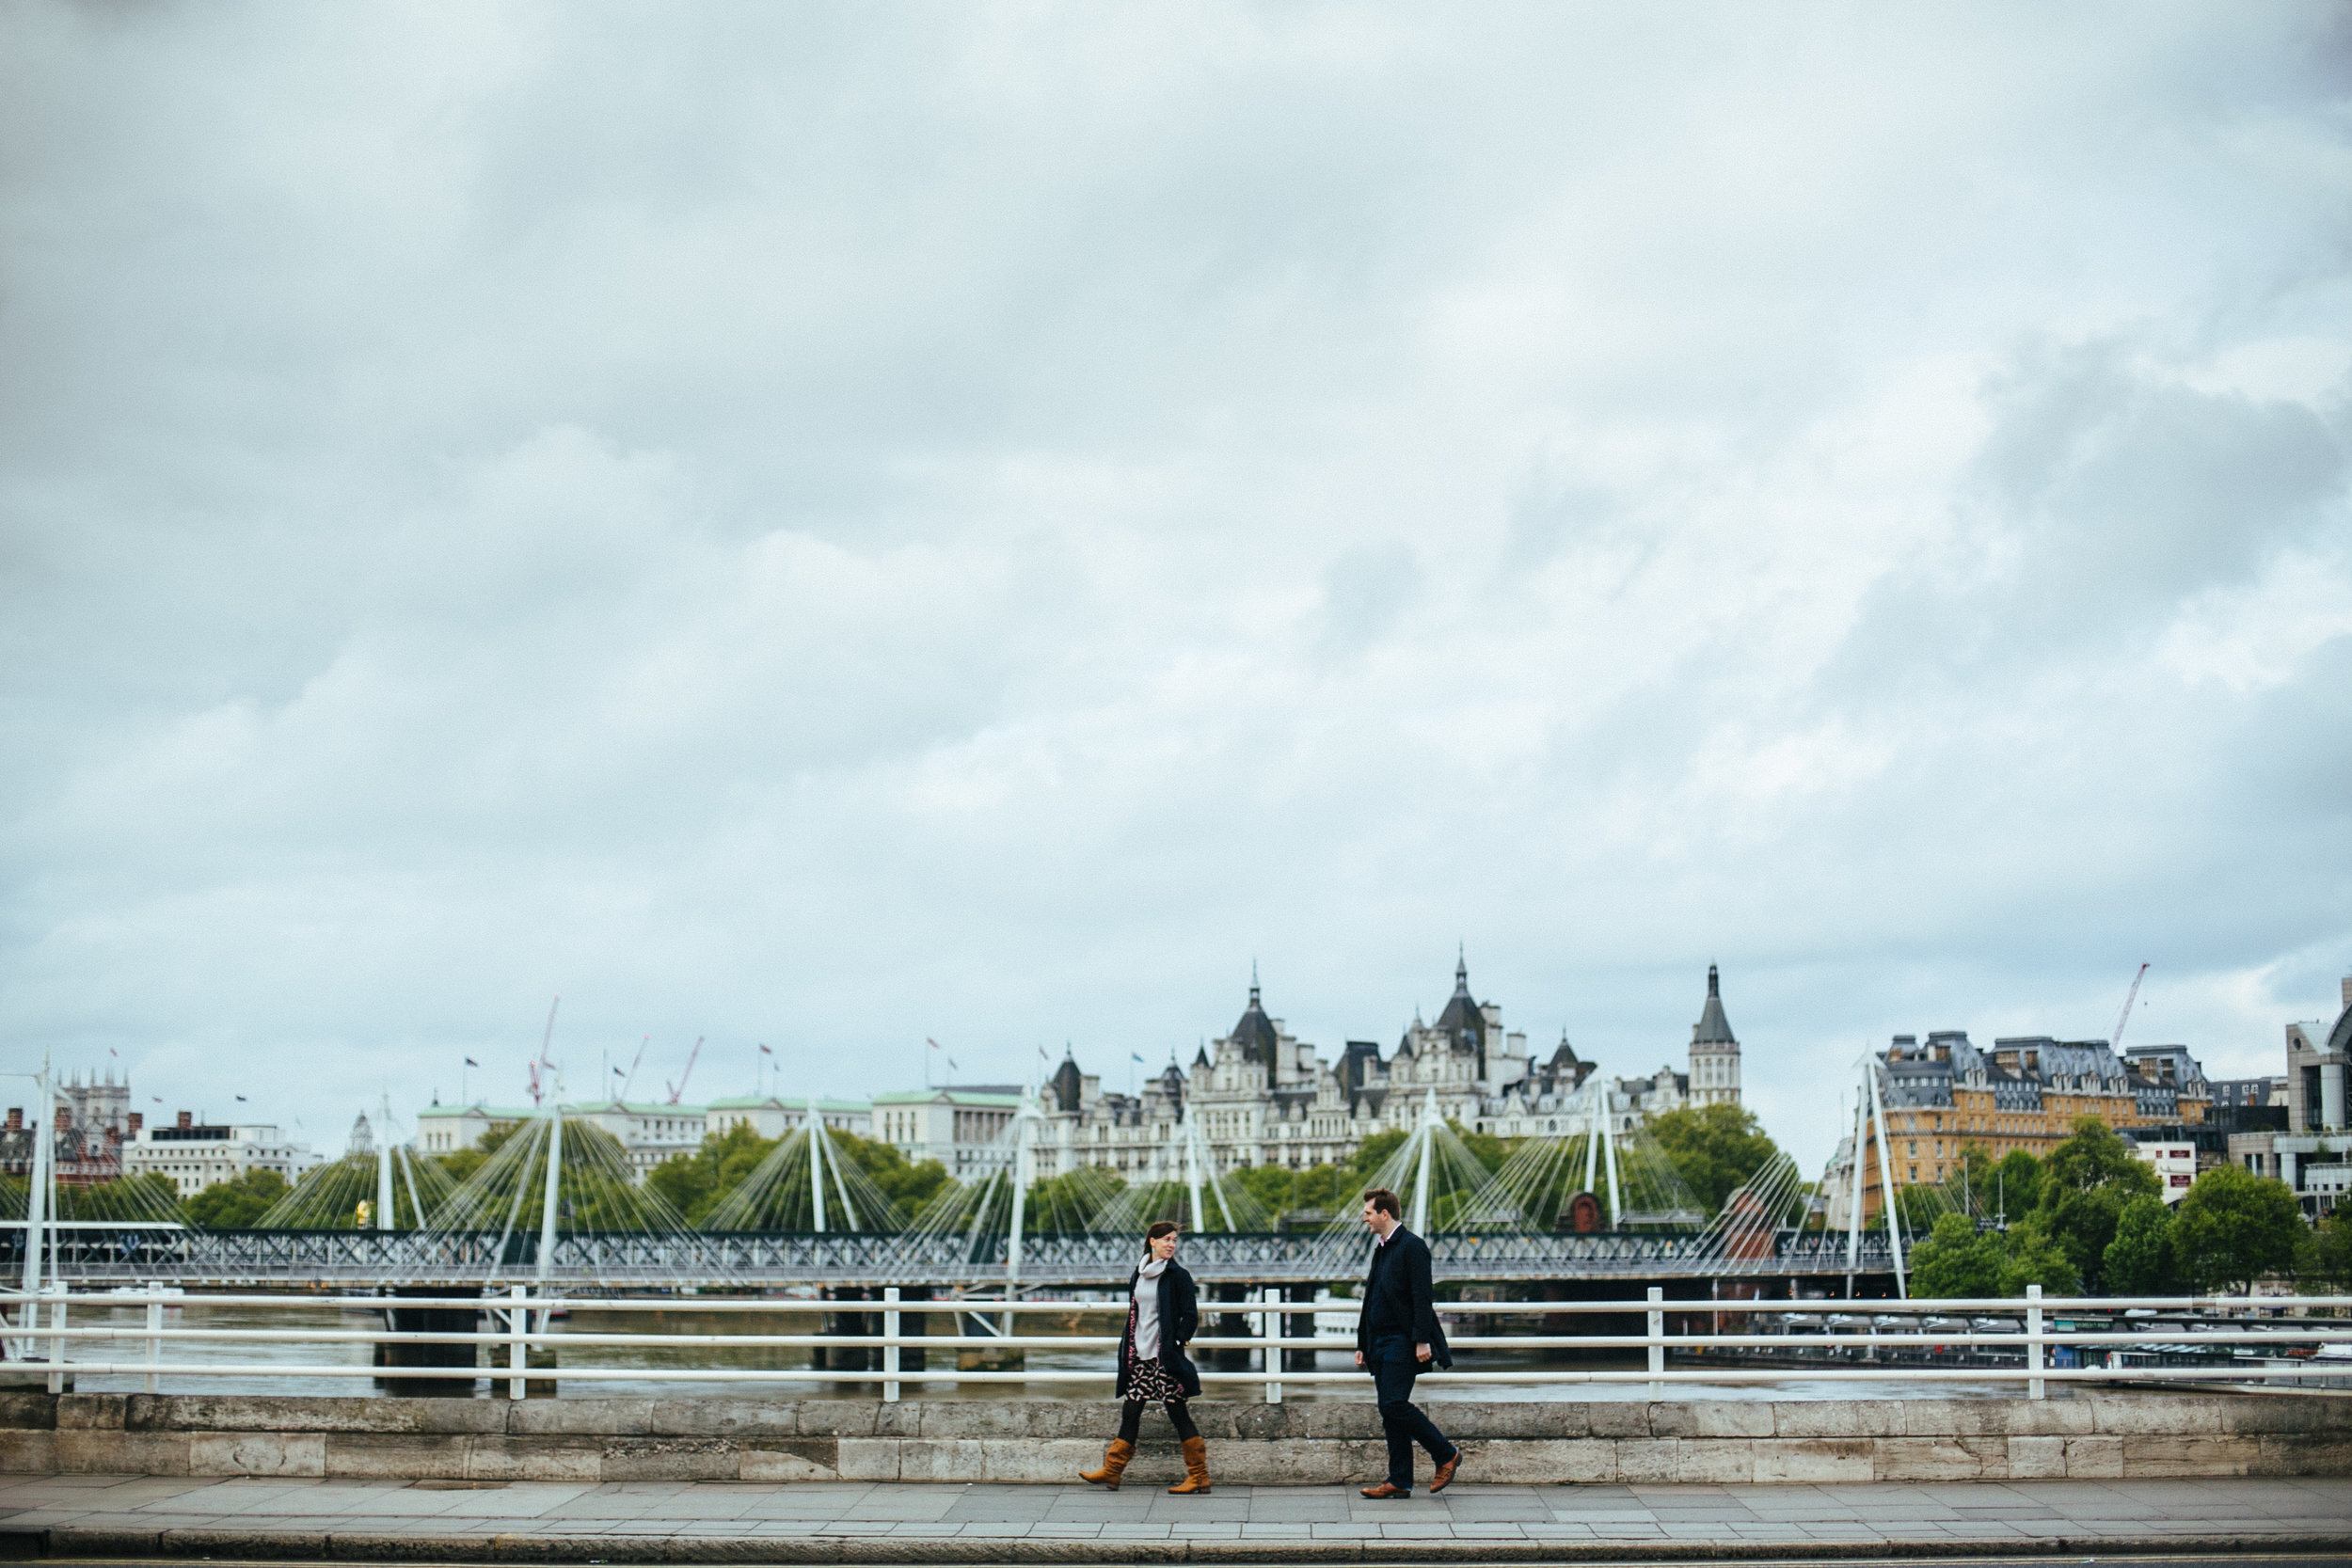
pixel 1399 1283
pixel 1180 1319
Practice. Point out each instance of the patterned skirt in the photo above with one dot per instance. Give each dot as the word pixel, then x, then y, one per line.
pixel 1149 1379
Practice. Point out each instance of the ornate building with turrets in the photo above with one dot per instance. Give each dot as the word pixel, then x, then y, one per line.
pixel 1261 1097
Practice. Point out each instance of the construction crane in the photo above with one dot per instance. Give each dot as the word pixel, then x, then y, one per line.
pixel 631 1075
pixel 680 1087
pixel 2123 1018
pixel 540 1063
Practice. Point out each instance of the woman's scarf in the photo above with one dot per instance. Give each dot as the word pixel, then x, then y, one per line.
pixel 1147 1299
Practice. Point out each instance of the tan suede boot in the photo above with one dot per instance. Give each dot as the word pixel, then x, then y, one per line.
pixel 1114 1465
pixel 1196 1467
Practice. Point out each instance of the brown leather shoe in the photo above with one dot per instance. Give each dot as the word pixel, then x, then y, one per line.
pixel 1445 1472
pixel 1384 1491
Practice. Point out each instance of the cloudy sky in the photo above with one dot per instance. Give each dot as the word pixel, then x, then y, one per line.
pixel 840 525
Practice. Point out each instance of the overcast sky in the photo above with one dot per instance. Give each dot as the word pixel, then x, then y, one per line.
pixel 835 526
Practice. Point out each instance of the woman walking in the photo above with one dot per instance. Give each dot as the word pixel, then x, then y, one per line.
pixel 1162 1310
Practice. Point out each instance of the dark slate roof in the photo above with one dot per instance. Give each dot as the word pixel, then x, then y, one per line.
pixel 1713 1028
pixel 1465 1026
pixel 1564 1059
pixel 2340 1038
pixel 1066 1085
pixel 1255 1033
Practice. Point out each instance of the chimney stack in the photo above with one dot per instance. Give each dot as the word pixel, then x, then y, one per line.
pixel 187 1118
pixel 65 1119
pixel 138 1119
pixel 16 1119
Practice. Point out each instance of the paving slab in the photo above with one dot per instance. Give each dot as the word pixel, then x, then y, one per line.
pixel 647 1521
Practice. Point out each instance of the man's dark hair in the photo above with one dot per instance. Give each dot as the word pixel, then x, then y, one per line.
pixel 1385 1202
pixel 1160 1228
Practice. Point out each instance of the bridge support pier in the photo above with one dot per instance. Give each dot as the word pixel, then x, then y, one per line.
pixel 1232 1325
pixel 1299 1326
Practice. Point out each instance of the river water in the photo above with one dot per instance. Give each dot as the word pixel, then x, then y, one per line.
pixel 771 1369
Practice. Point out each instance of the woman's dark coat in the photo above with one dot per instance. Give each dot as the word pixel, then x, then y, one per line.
pixel 1180 1317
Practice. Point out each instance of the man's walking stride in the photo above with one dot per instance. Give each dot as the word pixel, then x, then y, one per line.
pixel 1396 1337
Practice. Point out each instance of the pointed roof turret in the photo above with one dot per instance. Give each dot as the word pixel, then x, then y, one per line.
pixel 1464 1022
pixel 1713 1028
pixel 1254 1032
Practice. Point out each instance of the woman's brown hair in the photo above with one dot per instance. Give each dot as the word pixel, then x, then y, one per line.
pixel 1160 1228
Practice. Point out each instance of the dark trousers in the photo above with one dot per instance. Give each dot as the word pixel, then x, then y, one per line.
pixel 1393 1368
pixel 1131 1419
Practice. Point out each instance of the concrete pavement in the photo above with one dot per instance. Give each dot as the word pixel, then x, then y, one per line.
pixel 90 1515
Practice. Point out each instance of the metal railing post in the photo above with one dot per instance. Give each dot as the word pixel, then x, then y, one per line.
pixel 1272 1295
pixel 517 1344
pixel 56 1347
pixel 154 1334
pixel 1657 1342
pixel 890 1344
pixel 2034 1386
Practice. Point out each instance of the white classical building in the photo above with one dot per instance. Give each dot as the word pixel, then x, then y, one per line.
pixel 195 1155
pixel 773 1116
pixel 963 1126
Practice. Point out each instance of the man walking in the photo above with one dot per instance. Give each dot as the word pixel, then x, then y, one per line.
pixel 1396 1337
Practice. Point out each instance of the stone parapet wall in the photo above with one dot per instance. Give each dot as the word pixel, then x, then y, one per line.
pixel 1047 1441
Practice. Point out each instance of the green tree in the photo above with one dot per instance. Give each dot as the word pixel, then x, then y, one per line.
pixel 1373 1153
pixel 1326 1189
pixel 2085 1184
pixel 2233 1227
pixel 693 1185
pixel 1956 1261
pixel 2030 1256
pixel 2141 1262
pixel 1959 1261
pixel 1070 1201
pixel 908 1186
pixel 462 1163
pixel 1715 1149
pixel 2015 1185
pixel 2324 1266
pixel 1271 1185
pixel 149 1195
pixel 237 1203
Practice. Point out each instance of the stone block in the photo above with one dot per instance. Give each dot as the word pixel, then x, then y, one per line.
pixel 949 1420
pixel 954 1459
pixel 1646 1459
pixel 1730 1418
pixel 122 1453
pixel 1814 1460
pixel 1929 1459
pixel 23 1453
pixel 568 1418
pixel 207 1544
pixel 775 1458
pixel 1541 1460
pixel 2155 1415
pixel 1334 1422
pixel 399 1456
pixel 850 1418
pixel 90 1412
pixel 1716 1460
pixel 1617 1419
pixel 1290 1464
pixel 1051 1462
pixel 2267 1414
pixel 2198 1454
pixel 748 1417
pixel 1837 1418
pixel 668 1459
pixel 1954 1417
pixel 257 1453
pixel 28 1412
pixel 867 1458
pixel 1670 1418
pixel 500 1457
pixel 2046 1418
pixel 1244 1423
pixel 2037 1458
pixel 1547 1419
pixel 2095 1458
pixel 2301 1454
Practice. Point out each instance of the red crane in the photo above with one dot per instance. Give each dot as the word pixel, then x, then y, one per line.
pixel 2124 1016
pixel 680 1087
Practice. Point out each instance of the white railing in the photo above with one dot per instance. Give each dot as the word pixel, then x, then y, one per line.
pixel 41 1332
